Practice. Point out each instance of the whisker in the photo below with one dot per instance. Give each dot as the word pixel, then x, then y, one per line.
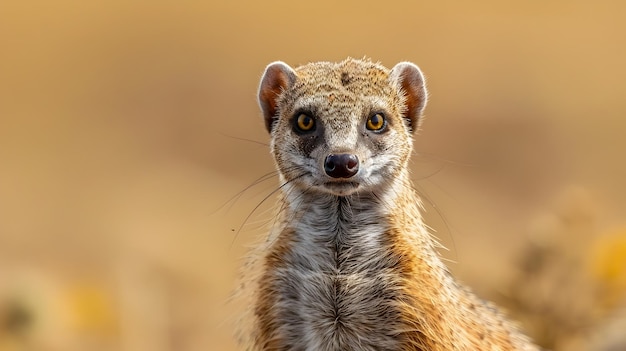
pixel 422 192
pixel 437 171
pixel 233 199
pixel 257 207
pixel 244 139
pixel 296 211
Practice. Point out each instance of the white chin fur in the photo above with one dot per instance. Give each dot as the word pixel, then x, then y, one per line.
pixel 340 188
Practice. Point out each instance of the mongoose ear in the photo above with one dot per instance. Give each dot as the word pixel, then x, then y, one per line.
pixel 278 77
pixel 412 84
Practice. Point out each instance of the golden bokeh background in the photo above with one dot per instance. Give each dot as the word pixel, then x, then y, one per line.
pixel 128 130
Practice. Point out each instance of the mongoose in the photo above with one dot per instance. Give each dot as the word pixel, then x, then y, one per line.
pixel 349 264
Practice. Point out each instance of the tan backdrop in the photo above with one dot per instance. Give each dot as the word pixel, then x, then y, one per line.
pixel 128 129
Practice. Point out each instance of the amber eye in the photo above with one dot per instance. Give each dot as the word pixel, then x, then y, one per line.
pixel 376 122
pixel 305 123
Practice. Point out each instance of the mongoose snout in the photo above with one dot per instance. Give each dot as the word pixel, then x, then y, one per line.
pixel 341 165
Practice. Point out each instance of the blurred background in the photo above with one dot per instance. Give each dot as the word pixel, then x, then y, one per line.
pixel 129 129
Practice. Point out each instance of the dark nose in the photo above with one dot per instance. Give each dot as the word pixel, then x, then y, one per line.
pixel 341 165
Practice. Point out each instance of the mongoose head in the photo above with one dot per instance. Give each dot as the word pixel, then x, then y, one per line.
pixel 341 128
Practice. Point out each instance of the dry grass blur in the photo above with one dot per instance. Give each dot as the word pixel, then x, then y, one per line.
pixel 121 127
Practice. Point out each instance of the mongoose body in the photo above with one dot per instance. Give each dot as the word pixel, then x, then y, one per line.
pixel 349 264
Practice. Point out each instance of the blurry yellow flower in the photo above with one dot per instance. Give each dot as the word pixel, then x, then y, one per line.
pixel 608 264
pixel 91 309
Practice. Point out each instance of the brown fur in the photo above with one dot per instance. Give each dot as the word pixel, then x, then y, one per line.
pixel 349 265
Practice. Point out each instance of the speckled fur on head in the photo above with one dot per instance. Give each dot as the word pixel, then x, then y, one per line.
pixel 340 97
pixel 349 264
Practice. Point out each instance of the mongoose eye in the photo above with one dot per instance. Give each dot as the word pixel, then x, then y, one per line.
pixel 376 122
pixel 305 123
